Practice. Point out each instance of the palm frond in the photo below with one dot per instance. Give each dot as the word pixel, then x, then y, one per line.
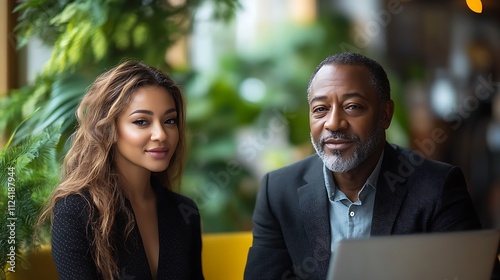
pixel 31 168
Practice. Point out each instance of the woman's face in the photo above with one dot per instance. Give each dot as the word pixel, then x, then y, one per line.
pixel 147 132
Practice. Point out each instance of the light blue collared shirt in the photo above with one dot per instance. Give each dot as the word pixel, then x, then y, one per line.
pixel 351 219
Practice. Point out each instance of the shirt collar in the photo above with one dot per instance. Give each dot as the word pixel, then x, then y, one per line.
pixel 373 178
pixel 331 187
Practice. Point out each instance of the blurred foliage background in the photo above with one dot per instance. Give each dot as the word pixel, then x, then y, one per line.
pixel 87 37
pixel 244 67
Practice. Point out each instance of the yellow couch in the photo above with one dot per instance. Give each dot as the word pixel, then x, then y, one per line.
pixel 223 255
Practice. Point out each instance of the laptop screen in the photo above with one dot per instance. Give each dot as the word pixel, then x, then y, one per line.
pixel 441 256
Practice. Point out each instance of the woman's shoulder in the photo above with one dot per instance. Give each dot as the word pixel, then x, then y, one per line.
pixel 178 199
pixel 182 199
pixel 184 206
pixel 71 215
pixel 72 204
pixel 172 197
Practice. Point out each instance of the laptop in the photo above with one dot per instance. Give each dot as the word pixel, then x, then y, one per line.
pixel 466 255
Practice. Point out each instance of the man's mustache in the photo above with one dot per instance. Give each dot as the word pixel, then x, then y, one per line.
pixel 337 135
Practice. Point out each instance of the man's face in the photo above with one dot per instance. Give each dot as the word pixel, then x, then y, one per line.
pixel 346 117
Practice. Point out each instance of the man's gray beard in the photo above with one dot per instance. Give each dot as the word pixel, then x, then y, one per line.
pixel 362 151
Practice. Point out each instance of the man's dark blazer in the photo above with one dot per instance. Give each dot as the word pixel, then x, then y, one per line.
pixel 291 234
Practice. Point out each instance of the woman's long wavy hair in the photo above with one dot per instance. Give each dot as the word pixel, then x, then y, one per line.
pixel 89 169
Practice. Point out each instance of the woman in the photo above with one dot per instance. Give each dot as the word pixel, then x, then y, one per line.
pixel 114 214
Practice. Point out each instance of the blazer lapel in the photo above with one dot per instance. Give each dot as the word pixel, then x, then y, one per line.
pixel 313 203
pixel 391 190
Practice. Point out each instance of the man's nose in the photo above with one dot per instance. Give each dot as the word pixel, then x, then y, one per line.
pixel 335 120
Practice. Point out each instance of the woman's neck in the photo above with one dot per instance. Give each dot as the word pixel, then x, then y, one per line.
pixel 137 185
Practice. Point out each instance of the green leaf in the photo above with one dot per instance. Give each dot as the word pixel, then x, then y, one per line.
pixel 66 15
pixel 15 130
pixel 35 174
pixel 123 31
pixel 99 44
pixel 140 35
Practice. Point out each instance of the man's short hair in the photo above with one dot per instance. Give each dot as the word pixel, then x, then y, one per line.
pixel 379 80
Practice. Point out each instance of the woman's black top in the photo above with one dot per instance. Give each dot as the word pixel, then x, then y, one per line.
pixel 179 239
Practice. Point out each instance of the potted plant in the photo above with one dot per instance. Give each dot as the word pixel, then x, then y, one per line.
pixel 87 37
pixel 28 174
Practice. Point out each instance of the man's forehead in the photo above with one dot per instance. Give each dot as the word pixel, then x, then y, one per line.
pixel 341 73
pixel 341 79
pixel 341 69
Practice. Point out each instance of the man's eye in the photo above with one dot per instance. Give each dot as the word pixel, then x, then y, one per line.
pixel 319 110
pixel 353 107
pixel 140 122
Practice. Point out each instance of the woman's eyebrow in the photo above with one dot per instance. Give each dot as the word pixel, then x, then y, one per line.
pixel 147 112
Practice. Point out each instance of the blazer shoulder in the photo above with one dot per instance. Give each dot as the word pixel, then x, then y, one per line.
pixel 278 183
pixel 300 168
pixel 73 204
pixel 181 207
pixel 180 199
pixel 418 161
pixel 418 169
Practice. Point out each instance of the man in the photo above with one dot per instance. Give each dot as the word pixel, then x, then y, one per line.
pixel 356 186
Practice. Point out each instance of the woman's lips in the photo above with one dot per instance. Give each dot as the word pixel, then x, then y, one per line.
pixel 158 153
